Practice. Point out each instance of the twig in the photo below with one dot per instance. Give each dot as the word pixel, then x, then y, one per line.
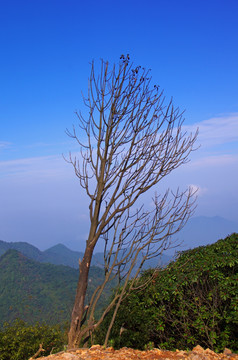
pixel 37 353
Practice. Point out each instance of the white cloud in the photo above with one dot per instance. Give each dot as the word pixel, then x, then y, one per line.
pixel 4 145
pixel 215 161
pixel 217 130
pixel 198 189
pixel 35 167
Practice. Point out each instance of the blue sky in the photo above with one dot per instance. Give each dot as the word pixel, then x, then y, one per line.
pixel 46 49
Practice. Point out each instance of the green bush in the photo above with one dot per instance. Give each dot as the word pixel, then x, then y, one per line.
pixel 192 301
pixel 19 341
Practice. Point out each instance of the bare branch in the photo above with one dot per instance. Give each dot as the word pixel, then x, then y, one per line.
pixel 37 353
pixel 131 141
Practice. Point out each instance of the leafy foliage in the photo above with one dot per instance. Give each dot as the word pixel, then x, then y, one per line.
pixel 20 341
pixel 192 301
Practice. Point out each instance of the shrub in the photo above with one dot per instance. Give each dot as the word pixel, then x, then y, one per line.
pixel 19 341
pixel 192 301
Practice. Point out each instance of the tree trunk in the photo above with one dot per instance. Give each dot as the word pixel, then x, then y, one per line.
pixel 78 309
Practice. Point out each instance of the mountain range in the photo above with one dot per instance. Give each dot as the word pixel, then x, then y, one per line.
pixel 199 231
pixel 61 255
pixel 57 255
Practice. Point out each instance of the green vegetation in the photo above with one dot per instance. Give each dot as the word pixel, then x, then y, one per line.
pixel 40 292
pixel 21 341
pixel 192 301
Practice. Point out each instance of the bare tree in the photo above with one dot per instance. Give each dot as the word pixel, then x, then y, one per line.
pixel 133 140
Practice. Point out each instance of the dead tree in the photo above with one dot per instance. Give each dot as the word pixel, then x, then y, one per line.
pixel 128 143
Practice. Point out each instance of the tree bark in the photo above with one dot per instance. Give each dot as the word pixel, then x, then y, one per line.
pixel 79 308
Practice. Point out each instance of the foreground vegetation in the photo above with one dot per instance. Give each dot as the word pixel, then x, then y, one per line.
pixel 192 301
pixel 20 341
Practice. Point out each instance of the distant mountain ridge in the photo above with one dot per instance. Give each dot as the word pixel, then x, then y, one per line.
pixel 57 255
pixel 61 255
pixel 199 231
pixel 25 248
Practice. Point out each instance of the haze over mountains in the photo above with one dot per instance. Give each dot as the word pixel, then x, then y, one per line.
pixel 198 231
pixel 203 230
pixel 61 255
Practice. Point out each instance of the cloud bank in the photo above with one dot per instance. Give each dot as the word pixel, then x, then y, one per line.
pixel 217 131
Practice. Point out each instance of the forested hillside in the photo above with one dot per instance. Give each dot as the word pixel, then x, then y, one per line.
pixel 35 291
pixel 192 301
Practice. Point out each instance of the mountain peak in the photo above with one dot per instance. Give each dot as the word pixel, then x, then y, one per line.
pixel 59 246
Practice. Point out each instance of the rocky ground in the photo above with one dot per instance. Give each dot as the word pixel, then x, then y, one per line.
pixel 97 352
